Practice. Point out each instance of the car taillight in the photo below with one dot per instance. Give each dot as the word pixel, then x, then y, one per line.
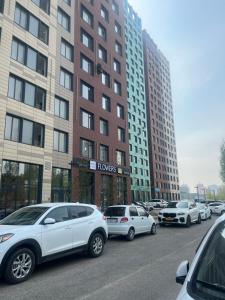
pixel 124 220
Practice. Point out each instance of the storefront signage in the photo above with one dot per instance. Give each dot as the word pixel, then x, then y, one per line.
pixel 97 166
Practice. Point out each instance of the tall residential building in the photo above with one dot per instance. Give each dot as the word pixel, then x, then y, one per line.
pixel 137 116
pixel 101 153
pixel 162 144
pixel 36 101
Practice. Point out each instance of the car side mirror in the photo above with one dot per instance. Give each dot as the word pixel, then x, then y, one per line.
pixel 182 272
pixel 49 221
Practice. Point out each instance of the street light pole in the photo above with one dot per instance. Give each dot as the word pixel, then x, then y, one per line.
pixel 196 187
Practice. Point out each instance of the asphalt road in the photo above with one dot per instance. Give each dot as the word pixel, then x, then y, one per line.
pixel 142 269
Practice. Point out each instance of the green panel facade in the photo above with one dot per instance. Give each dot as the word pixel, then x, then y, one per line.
pixel 137 117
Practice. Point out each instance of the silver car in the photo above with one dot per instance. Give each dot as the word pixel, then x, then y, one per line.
pixel 205 280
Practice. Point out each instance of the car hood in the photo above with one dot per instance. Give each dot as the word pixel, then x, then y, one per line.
pixel 13 228
pixel 174 210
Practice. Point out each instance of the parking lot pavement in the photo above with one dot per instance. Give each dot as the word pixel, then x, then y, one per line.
pixel 142 269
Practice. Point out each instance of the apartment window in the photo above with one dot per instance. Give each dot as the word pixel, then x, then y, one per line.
pixel 115 7
pixel 30 23
pixel 118 29
pixel 87 119
pixel 87 148
pixel 24 131
pixel 104 127
pixel 118 48
pixel 86 91
pixel 102 53
pixel 67 2
pixel 116 66
pixel 2 2
pixel 66 50
pixel 61 109
pixel 104 153
pixel 63 19
pixel 66 79
pixel 60 141
pixel 120 111
pixel 26 92
pixel 105 79
pixel 86 39
pixel 117 88
pixel 104 13
pixel 29 57
pixel 87 16
pixel 43 4
pixel 120 158
pixel 121 135
pixel 106 104
pixel 86 65
pixel 102 32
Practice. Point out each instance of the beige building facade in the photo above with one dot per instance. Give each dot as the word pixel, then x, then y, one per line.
pixel 36 101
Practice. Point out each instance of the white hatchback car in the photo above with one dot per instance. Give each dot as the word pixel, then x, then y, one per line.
pixel 205 280
pixel 220 209
pixel 129 220
pixel 38 233
pixel 213 205
pixel 204 211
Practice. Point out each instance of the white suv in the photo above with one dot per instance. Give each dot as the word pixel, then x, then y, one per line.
pixel 129 220
pixel 219 209
pixel 38 233
pixel 182 212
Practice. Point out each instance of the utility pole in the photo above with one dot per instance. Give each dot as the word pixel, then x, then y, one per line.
pixel 196 187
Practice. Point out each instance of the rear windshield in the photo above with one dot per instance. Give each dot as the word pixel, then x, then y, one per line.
pixel 115 212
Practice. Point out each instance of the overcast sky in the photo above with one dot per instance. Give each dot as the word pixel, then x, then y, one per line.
pixel 191 33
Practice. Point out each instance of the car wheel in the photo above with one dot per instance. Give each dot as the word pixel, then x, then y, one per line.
pixel 19 266
pixel 210 216
pixel 199 221
pixel 153 229
pixel 188 222
pixel 131 234
pixel 96 245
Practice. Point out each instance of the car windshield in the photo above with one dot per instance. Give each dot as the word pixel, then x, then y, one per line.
pixel 182 205
pixel 172 204
pixel 24 216
pixel 209 279
pixel 115 212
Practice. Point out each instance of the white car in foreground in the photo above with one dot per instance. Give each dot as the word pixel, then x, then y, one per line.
pixel 38 233
pixel 129 220
pixel 205 279
pixel 204 211
pixel 180 212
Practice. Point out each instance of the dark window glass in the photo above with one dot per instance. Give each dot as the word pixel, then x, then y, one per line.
pixel 21 16
pixel 104 13
pixel 105 79
pixel 102 53
pixel 61 185
pixel 86 39
pixel 38 135
pixel 2 2
pixel 117 88
pixel 60 214
pixel 18 51
pixel 87 148
pixel 86 65
pixel 60 141
pixel 61 108
pixel 118 28
pixel 87 119
pixel 12 128
pixel 66 79
pixel 86 91
pixel 115 211
pixel 102 32
pixel 63 19
pixel 115 7
pixel 118 48
pixel 104 127
pixel 106 104
pixel 120 158
pixel 87 16
pixel 121 135
pixel 66 50
pixel 104 153
pixel 120 111
pixel 31 59
pixel 80 211
pixel 67 2
pixel 27 132
pixel 133 212
pixel 43 4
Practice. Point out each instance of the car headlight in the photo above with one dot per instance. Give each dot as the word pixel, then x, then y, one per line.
pixel 5 237
pixel 181 214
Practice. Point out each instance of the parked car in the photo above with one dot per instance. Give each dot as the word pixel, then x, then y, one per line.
pixel 129 220
pixel 182 212
pixel 139 203
pixel 204 211
pixel 38 233
pixel 159 203
pixel 219 209
pixel 205 279
pixel 213 205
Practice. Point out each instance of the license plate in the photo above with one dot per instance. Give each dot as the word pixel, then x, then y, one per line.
pixel 169 219
pixel 112 220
